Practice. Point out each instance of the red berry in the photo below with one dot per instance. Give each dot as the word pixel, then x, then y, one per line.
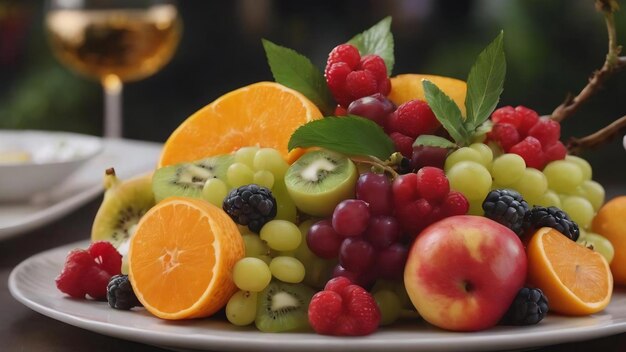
pixel 432 184
pixel 528 119
pixel 555 151
pixel 376 65
pixel 404 189
pixel 95 282
pixel 455 204
pixel 360 84
pixel 505 134
pixel 336 79
pixel 345 53
pixel 530 150
pixel 340 111
pixel 413 118
pixel 403 143
pixel 547 131
pixel 106 257
pixel 71 277
pixel 350 312
pixel 337 284
pixel 506 114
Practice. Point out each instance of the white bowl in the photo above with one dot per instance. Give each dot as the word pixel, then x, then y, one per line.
pixel 33 162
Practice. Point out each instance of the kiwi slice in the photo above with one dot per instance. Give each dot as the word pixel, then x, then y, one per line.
pixel 124 203
pixel 283 307
pixel 319 180
pixel 187 179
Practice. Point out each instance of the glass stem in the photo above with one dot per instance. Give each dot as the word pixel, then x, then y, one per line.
pixel 112 86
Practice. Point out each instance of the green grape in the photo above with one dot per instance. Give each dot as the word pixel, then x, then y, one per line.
pixel 579 209
pixel 389 306
pixel 286 208
pixel 600 244
pixel 246 155
pixel 266 258
pixel 270 159
pixel 281 235
pixel 532 185
pixel 583 233
pixel 563 176
pixel 251 274
pixel 470 178
pixel 214 191
pixel 584 166
pixel 549 199
pixel 287 269
pixel 463 154
pixel 485 152
pixel 397 288
pixel 476 208
pixel 508 169
pixel 241 308
pixel 593 192
pixel 264 178
pixel 238 174
pixel 255 247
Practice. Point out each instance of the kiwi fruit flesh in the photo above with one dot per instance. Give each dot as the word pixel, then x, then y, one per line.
pixel 319 180
pixel 283 307
pixel 187 179
pixel 124 203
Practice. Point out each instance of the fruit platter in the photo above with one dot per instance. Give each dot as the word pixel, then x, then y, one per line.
pixel 350 207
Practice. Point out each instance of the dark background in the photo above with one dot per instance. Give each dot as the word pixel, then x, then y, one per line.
pixel 552 47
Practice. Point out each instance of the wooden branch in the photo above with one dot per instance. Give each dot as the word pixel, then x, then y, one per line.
pixel 576 145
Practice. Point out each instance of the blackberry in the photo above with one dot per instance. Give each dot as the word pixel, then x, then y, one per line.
pixel 506 207
pixel 120 294
pixel 250 205
pixel 529 307
pixel 553 217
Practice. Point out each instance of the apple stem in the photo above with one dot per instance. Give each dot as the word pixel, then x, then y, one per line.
pixel 612 64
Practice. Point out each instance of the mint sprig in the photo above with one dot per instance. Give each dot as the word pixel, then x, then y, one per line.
pixel 377 40
pixel 349 135
pixel 484 87
pixel 297 72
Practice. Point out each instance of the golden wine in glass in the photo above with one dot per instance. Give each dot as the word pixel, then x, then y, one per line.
pixel 113 41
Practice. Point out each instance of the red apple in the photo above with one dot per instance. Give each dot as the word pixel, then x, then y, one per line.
pixel 463 272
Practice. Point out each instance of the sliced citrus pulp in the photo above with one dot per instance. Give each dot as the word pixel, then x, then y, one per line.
pixel 263 114
pixel 181 257
pixel 409 86
pixel 576 280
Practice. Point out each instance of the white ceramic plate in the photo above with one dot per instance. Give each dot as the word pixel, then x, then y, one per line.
pixel 128 157
pixel 32 283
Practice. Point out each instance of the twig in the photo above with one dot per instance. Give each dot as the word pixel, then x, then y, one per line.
pixel 612 64
pixel 575 145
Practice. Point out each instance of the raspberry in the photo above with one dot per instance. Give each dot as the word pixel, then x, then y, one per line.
pixel 508 115
pixel 349 310
pixel 529 307
pixel 403 143
pixel 547 131
pixel 250 205
pixel 361 84
pixel 555 151
pixel 95 282
pixel 107 256
pixel 70 279
pixel 528 119
pixel 506 207
pixel 345 53
pixel 505 135
pixel 455 203
pixel 530 150
pixel 432 184
pixel 336 79
pixel 375 65
pixel 413 118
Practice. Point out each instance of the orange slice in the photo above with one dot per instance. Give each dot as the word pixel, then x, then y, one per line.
pixel 576 280
pixel 263 114
pixel 181 258
pixel 409 86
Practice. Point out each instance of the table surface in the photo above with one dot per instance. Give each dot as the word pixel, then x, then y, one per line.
pixel 22 329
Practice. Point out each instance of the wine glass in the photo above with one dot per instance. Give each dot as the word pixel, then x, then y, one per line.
pixel 113 41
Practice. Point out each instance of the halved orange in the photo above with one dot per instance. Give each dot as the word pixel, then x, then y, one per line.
pixel 409 86
pixel 263 114
pixel 181 258
pixel 576 280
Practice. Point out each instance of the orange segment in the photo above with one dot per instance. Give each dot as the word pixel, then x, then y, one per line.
pixel 181 257
pixel 576 280
pixel 610 222
pixel 263 114
pixel 409 86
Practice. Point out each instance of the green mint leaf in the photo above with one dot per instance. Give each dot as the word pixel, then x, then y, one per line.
pixel 350 135
pixel 297 72
pixel 377 40
pixel 433 141
pixel 485 83
pixel 446 111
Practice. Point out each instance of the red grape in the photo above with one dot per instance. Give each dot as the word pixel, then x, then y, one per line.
pixel 375 189
pixel 351 217
pixel 390 262
pixel 428 156
pixel 323 240
pixel 356 255
pixel 382 231
pixel 375 107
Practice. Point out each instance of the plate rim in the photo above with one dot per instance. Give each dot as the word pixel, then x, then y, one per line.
pixel 310 341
